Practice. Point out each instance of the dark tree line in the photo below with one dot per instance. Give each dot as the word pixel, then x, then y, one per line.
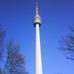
pixel 14 61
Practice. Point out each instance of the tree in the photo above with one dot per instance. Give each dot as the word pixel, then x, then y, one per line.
pixel 15 61
pixel 2 35
pixel 58 73
pixel 67 45
pixel 0 71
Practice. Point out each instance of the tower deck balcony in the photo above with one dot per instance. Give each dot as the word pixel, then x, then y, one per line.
pixel 37 20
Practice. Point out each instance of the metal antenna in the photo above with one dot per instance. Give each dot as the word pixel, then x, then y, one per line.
pixel 36 7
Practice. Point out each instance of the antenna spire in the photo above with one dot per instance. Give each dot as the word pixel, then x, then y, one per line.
pixel 36 7
pixel 37 18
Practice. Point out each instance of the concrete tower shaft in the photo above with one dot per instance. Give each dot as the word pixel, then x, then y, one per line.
pixel 38 51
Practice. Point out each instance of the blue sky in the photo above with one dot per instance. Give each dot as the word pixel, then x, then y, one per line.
pixel 16 16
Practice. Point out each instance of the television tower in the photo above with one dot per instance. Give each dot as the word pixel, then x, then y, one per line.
pixel 37 24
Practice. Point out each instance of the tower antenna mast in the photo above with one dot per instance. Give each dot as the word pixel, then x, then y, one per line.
pixel 36 7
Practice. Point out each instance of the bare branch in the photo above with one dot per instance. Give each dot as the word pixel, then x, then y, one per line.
pixel 15 61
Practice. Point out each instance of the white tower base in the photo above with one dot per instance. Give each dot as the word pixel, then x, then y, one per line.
pixel 38 52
